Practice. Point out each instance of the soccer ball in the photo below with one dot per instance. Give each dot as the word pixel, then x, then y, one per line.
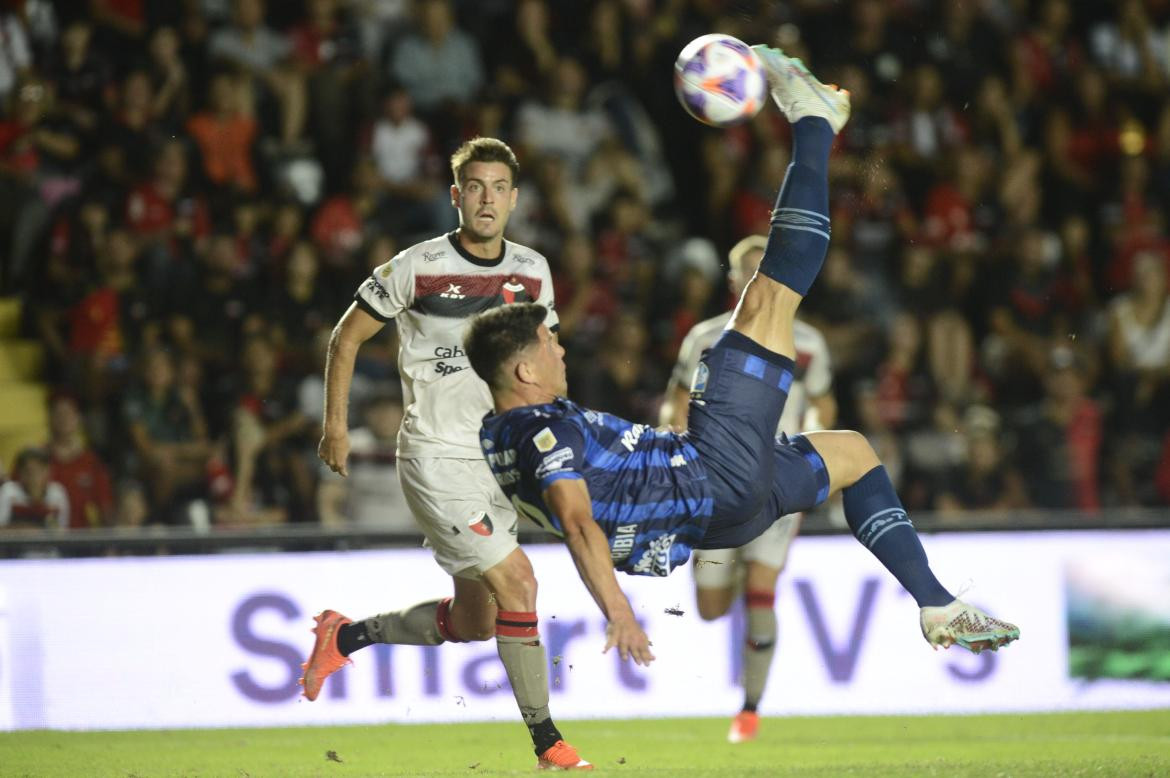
pixel 719 80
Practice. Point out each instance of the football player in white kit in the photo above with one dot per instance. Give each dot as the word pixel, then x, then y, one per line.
pixel 430 290
pixel 810 407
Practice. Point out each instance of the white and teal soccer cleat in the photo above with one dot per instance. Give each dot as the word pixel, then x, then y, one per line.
pixel 967 626
pixel 797 91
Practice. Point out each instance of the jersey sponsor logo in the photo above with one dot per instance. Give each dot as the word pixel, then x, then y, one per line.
pixel 443 368
pixel 377 289
pixel 480 524
pixel 656 559
pixel 523 259
pixel 623 542
pixel 699 382
pixel 431 256
pixel 544 440
pixel 449 352
pixel 507 477
pixel 554 462
pixel 501 458
pixel 678 460
pixel 454 292
pixel 631 436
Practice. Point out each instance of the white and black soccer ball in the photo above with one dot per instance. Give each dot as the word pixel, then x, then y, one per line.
pixel 719 80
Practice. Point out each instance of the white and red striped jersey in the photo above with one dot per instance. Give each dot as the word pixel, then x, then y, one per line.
pixel 431 290
pixel 813 376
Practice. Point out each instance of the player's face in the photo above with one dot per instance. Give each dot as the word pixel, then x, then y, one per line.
pixel 485 199
pixel 549 363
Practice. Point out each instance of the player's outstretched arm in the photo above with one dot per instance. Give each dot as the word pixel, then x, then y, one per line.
pixel 569 500
pixel 354 329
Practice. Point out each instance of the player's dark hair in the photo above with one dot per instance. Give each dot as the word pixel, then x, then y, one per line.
pixel 496 336
pixel 483 150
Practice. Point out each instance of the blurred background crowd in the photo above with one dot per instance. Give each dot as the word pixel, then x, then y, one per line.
pixel 191 191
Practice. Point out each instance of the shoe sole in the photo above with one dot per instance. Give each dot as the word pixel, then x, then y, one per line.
pixel 318 645
pixel 815 85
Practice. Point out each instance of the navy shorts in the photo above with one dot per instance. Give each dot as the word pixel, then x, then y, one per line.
pixel 754 477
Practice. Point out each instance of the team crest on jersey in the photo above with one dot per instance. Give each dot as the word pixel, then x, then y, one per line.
pixel 510 289
pixel 480 524
pixel 699 382
pixel 544 440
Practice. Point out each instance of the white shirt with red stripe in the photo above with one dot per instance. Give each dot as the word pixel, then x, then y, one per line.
pixel 813 378
pixel 431 290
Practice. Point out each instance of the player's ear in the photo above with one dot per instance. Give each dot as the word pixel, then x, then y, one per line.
pixel 455 196
pixel 522 371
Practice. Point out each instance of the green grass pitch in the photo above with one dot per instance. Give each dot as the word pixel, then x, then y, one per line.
pixel 1004 746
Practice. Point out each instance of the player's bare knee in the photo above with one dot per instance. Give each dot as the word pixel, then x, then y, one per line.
pixel 865 458
pixel 480 632
pixel 713 603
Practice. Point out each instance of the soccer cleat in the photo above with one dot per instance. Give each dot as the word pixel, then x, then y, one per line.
pixel 967 626
pixel 744 727
pixel 325 659
pixel 799 94
pixel 562 756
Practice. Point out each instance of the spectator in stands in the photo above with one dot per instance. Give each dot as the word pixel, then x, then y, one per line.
pixel 272 445
pixel 81 76
pixel 615 379
pixel 168 217
pixel 1059 438
pixel 409 170
pixel 327 50
pixel 297 308
pixel 36 150
pixel 132 507
pixel 987 479
pixel 169 77
pixel 1139 352
pixel 263 55
pixel 163 421
pixel 342 225
pixel 110 320
pixel 561 124
pixel 77 467
pixel 225 133
pixel 370 497
pixel 440 65
pixel 210 317
pixel 32 500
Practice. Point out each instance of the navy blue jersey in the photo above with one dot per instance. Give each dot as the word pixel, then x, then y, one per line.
pixel 649 491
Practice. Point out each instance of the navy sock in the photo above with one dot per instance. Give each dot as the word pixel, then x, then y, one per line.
pixel 799 237
pixel 351 637
pixel 878 520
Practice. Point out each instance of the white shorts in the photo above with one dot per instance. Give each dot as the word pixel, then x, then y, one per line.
pixel 717 569
pixel 469 524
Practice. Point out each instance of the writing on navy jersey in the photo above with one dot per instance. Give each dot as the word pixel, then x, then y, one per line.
pixel 648 490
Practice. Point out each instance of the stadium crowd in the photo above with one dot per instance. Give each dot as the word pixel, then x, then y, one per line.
pixel 191 191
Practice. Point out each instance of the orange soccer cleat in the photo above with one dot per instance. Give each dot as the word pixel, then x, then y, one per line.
pixel 325 659
pixel 744 727
pixel 562 756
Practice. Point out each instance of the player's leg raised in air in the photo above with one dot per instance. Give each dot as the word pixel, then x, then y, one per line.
pixel 759 344
pixel 493 597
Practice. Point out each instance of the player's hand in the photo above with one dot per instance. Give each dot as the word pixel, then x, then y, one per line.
pixel 334 451
pixel 626 635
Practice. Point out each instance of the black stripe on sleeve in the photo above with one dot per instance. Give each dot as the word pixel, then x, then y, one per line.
pixel 365 306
